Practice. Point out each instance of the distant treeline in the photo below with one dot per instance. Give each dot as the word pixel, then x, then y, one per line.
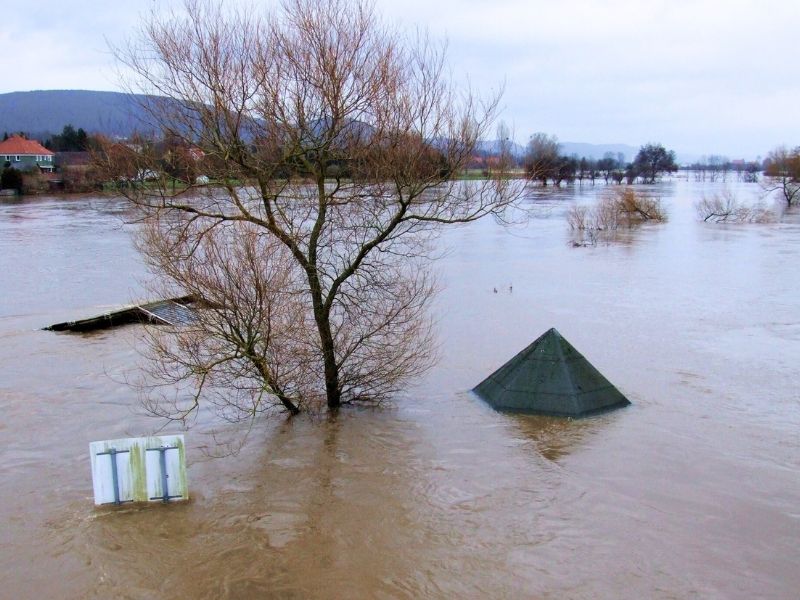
pixel 720 168
pixel 544 163
pixel 69 140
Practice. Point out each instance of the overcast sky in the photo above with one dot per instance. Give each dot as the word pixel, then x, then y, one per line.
pixel 700 76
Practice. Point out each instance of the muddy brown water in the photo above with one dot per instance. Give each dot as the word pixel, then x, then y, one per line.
pixel 693 491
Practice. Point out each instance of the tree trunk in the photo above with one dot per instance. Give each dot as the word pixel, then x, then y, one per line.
pixel 333 393
pixel 285 400
pixel 289 405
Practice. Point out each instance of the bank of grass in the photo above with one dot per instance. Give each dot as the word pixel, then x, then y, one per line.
pixel 175 185
pixel 167 186
pixel 483 174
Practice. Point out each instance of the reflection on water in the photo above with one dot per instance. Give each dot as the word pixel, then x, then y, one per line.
pixel 555 437
pixel 690 492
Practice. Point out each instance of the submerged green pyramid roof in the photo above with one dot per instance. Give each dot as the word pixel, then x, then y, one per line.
pixel 550 377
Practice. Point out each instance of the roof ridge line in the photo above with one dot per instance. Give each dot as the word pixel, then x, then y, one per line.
pixel 563 362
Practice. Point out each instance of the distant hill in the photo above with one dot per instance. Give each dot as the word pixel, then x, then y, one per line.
pixel 46 112
pixel 598 150
pixel 491 147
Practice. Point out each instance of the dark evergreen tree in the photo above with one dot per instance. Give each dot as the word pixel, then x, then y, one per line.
pixel 69 140
pixel 11 179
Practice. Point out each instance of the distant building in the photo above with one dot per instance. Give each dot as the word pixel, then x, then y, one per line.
pixel 26 155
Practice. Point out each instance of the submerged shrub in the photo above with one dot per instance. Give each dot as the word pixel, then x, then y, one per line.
pixel 637 208
pixel 726 208
pixel 623 208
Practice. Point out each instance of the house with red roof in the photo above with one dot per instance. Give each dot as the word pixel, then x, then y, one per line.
pixel 25 155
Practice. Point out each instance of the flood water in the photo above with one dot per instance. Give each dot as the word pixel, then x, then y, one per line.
pixel 691 492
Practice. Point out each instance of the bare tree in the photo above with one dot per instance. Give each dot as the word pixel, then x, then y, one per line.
pixel 247 348
pixel 542 158
pixel 782 169
pixel 333 140
pixel 608 165
pixel 726 208
pixel 651 161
